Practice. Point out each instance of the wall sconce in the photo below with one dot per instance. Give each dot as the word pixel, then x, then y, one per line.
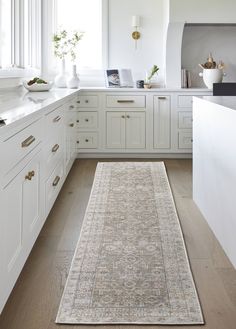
pixel 136 34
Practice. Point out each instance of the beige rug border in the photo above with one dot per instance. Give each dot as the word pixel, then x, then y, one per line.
pixel 186 254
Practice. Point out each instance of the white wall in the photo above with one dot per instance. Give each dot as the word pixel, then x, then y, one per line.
pixel 202 11
pixel 150 47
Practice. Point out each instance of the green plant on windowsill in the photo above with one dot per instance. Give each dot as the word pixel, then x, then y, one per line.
pixel 65 44
pixel 150 75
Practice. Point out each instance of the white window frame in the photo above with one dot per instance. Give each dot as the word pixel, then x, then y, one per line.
pixel 25 24
pixel 49 28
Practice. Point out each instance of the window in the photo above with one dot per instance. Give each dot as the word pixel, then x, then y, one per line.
pixel 20 34
pixel 84 16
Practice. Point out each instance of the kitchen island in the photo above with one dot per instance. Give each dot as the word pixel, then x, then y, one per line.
pixel 214 166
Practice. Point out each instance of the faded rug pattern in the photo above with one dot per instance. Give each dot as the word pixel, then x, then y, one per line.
pixel 130 265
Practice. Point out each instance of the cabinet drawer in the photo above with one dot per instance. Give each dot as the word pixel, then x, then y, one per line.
pixel 87 101
pixel 185 120
pixel 185 140
pixel 53 151
pixel 87 120
pixel 53 185
pixel 54 120
pixel 16 147
pixel 185 101
pixel 87 140
pixel 126 101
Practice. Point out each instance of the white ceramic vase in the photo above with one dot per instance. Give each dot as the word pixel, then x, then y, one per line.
pixel 211 76
pixel 60 79
pixel 73 80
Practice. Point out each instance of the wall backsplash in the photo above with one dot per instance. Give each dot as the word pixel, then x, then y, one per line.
pixel 199 40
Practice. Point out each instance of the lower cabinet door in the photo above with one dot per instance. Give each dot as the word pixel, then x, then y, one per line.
pixel 135 130
pixel 21 220
pixel 115 130
pixel 162 122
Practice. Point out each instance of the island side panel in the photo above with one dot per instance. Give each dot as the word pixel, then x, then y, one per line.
pixel 214 170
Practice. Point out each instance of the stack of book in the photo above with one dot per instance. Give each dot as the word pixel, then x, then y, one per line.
pixel 185 79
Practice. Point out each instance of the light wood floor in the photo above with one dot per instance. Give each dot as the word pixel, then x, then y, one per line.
pixel 34 301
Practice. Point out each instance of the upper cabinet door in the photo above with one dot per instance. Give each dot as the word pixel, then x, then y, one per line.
pixel 115 130
pixel 135 130
pixel 162 122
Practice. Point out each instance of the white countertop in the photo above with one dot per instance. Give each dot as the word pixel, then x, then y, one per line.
pixel 228 102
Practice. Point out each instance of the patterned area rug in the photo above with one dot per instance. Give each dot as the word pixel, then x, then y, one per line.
pixel 130 265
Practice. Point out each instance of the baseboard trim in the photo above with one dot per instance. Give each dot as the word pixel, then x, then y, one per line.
pixel 134 155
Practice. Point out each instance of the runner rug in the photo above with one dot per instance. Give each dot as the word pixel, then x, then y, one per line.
pixel 130 265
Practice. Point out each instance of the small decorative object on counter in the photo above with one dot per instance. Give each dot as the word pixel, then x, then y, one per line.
pixel 73 80
pixel 212 72
pixel 37 84
pixel 140 83
pixel 65 44
pixel 149 75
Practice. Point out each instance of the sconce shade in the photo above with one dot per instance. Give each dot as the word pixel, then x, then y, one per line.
pixel 136 21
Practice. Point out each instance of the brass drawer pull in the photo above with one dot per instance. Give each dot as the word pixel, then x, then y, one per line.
pixel 56 181
pixel 71 107
pixel 30 175
pixel 56 119
pixel 71 125
pixel 161 97
pixel 28 141
pixel 55 148
pixel 125 101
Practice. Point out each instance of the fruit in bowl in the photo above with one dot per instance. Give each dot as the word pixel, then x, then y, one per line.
pixel 37 84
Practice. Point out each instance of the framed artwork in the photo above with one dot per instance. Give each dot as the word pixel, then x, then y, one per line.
pixel 112 78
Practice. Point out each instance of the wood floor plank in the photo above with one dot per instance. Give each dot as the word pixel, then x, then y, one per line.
pixel 34 301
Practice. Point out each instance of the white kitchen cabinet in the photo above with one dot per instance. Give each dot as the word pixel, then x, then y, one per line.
pixel 162 122
pixel 115 130
pixel 70 139
pixel 22 219
pixel 135 124
pixel 126 130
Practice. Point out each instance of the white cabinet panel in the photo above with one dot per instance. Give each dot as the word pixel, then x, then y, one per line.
pixel 162 122
pixel 22 212
pixel 135 130
pixel 87 120
pixel 115 130
pixel 185 140
pixel 185 120
pixel 87 101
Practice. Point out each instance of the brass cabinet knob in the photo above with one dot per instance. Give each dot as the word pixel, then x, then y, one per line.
pixel 127 116
pixel 30 175
pixel 78 102
pixel 87 120
pixel 123 116
pixel 86 101
pixel 77 121
pixel 56 119
pixel 86 140
pixel 28 141
pixel 71 125
pixel 55 148
pixel 56 181
pixel 71 107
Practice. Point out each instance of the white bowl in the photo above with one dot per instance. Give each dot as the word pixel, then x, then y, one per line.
pixel 38 86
